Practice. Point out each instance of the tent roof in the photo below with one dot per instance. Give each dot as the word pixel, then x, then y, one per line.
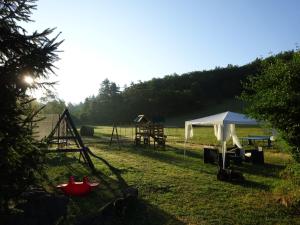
pixel 141 119
pixel 224 118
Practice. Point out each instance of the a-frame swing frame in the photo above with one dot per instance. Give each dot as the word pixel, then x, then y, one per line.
pixel 115 130
pixel 70 133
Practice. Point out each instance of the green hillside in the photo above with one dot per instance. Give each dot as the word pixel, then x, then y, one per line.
pixel 173 96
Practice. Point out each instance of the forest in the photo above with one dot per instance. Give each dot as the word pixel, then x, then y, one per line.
pixel 161 98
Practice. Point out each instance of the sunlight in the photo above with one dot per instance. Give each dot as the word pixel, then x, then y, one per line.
pixel 29 80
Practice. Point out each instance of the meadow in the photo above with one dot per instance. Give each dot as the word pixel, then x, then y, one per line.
pixel 202 135
pixel 173 188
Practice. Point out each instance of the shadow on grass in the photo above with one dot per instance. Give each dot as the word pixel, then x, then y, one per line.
pixel 173 156
pixel 266 170
pixel 89 207
pixel 72 167
pixel 145 213
pixel 105 139
pixel 251 184
pixel 96 139
pixel 117 172
pixel 140 212
pixel 189 153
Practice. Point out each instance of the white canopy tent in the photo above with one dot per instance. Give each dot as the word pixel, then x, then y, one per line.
pixel 224 127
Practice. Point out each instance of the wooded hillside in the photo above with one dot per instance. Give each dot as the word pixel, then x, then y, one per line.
pixel 173 95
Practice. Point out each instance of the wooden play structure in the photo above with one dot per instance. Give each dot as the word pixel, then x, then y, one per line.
pixel 145 130
pixel 64 138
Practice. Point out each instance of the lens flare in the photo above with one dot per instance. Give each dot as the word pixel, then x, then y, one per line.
pixel 29 80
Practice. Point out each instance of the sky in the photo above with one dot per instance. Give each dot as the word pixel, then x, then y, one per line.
pixel 135 40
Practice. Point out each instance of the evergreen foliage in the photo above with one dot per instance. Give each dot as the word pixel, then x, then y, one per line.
pixel 21 55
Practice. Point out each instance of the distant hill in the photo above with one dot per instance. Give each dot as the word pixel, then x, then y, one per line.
pixel 173 96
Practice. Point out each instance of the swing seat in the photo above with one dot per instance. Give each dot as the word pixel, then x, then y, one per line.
pixel 73 188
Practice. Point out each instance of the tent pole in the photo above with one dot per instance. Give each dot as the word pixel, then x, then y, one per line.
pixel 224 153
pixel 184 149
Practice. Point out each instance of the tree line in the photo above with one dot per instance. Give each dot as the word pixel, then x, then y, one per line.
pixel 162 97
pixel 169 96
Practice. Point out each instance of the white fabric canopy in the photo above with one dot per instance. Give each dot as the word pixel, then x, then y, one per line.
pixel 224 127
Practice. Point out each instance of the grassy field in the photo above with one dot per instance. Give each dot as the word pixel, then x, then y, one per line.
pixel 174 189
pixel 202 135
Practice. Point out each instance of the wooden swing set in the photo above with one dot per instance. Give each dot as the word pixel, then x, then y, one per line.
pixel 64 138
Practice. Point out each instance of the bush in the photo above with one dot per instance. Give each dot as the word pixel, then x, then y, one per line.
pixel 292 173
pixel 288 190
pixel 273 96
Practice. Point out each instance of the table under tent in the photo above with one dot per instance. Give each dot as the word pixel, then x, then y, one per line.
pixel 224 129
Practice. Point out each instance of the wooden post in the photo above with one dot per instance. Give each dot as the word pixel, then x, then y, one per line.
pixel 112 133
pixel 118 138
pixel 83 148
pixel 115 128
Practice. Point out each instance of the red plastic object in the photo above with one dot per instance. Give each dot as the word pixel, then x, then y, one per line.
pixel 77 188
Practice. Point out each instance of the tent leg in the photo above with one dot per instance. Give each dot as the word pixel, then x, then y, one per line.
pixel 184 149
pixel 224 153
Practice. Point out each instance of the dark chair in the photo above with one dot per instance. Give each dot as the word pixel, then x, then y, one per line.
pixel 234 154
pixel 256 157
pixel 210 155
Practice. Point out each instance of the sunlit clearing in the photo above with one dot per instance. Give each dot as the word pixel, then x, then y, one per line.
pixel 29 80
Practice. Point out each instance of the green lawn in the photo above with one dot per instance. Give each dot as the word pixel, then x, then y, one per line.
pixel 174 189
pixel 202 135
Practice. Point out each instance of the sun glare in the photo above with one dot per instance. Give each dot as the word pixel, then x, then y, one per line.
pixel 29 80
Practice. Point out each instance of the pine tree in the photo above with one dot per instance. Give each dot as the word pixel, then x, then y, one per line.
pixel 21 54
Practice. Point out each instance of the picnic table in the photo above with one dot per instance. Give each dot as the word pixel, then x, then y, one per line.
pixel 251 139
